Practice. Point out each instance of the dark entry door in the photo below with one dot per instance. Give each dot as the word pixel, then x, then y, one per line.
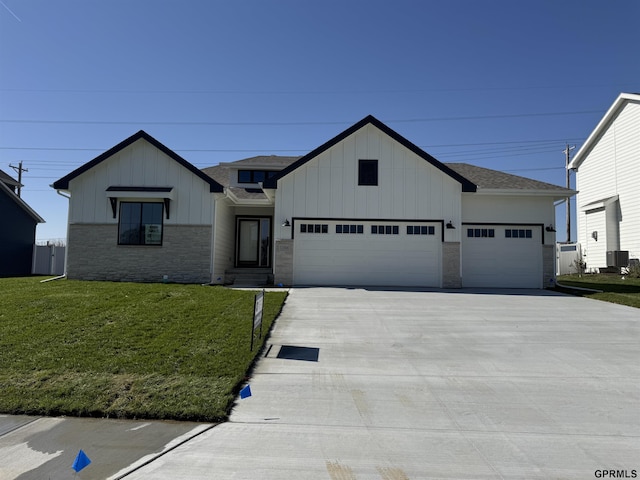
pixel 253 248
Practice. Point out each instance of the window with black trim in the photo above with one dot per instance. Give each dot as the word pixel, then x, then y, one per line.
pixel 421 230
pixel 140 223
pixel 314 228
pixel 518 233
pixel 481 232
pixel 358 229
pixel 367 172
pixel 254 176
pixel 385 229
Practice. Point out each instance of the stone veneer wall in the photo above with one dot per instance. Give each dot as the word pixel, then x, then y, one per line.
pixel 548 266
pixel 185 255
pixel 451 265
pixel 283 268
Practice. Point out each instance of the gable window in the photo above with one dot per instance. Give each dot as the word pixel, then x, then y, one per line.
pixel 140 223
pixel 254 176
pixel 367 172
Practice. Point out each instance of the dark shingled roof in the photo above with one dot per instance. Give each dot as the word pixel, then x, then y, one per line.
pixel 486 178
pixel 220 173
pixel 8 180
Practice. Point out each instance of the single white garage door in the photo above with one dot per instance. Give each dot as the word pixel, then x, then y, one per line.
pixel 503 256
pixel 367 253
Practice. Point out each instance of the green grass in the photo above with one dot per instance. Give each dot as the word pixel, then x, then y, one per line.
pixel 614 288
pixel 125 350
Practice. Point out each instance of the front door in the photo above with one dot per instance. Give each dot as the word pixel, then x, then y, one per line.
pixel 253 247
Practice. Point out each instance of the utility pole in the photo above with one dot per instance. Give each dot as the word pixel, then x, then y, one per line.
pixel 19 169
pixel 567 151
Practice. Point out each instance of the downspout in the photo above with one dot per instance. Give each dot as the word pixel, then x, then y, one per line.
pixel 66 253
pixel 213 240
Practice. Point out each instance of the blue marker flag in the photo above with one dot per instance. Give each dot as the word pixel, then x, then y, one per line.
pixel 245 392
pixel 81 461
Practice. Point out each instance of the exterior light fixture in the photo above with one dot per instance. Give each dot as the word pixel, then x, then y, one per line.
pixel 550 228
pixel 450 225
pixel 286 223
pixel 594 235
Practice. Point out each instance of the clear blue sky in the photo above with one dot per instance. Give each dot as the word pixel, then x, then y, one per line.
pixel 500 84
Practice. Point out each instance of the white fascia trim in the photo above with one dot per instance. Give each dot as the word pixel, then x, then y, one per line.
pixel 579 157
pixel 526 193
pixel 246 201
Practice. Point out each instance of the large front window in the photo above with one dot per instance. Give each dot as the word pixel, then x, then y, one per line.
pixel 140 223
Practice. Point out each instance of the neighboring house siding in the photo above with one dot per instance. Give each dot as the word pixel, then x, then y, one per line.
pixel 609 169
pixel 184 256
pixel 17 238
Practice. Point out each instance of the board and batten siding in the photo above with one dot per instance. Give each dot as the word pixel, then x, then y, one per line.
pixel 408 186
pixel 612 168
pixel 141 165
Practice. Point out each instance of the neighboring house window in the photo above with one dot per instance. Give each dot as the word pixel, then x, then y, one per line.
pixel 314 228
pixel 481 232
pixel 421 230
pixel 254 176
pixel 140 223
pixel 367 172
pixel 518 233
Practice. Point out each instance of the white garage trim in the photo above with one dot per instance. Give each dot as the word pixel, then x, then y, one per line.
pixel 406 253
pixel 502 255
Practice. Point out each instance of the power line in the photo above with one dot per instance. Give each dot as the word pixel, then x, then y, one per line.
pixel 288 124
pixel 306 92
pixel 232 150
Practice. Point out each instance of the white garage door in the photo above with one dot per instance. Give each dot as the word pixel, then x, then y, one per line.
pixel 502 256
pixel 367 253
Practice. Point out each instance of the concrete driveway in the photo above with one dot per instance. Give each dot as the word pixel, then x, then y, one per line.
pixel 431 384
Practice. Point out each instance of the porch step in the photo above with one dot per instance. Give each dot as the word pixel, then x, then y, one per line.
pixel 249 277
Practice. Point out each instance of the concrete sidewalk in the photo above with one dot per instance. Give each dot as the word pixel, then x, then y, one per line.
pixel 431 384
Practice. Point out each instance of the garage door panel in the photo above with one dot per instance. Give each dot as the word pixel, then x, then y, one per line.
pixel 367 258
pixel 502 261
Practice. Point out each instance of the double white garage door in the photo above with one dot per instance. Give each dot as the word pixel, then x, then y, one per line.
pixel 410 254
pixel 367 253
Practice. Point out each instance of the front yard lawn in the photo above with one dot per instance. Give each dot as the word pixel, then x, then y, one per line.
pixel 126 350
pixel 624 290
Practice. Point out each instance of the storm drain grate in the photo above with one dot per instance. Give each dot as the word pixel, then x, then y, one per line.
pixel 291 352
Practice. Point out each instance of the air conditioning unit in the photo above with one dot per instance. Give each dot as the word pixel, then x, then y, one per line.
pixel 617 258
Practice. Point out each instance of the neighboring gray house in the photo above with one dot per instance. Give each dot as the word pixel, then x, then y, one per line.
pixel 608 180
pixel 18 222
pixel 368 207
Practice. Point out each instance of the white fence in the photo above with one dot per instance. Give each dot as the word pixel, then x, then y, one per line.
pixel 48 260
pixel 567 255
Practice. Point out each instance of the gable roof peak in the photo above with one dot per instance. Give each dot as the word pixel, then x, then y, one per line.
pixel 467 186
pixel 63 183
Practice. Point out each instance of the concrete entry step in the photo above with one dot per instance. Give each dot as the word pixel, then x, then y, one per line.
pixel 249 277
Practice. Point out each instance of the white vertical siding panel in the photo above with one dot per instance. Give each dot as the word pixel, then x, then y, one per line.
pixel 336 181
pixel 324 188
pixel 311 190
pixel 299 185
pixel 350 176
pixel 398 193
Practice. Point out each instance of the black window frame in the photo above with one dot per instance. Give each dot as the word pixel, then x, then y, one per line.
pixel 255 176
pixel 141 237
pixel 368 173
